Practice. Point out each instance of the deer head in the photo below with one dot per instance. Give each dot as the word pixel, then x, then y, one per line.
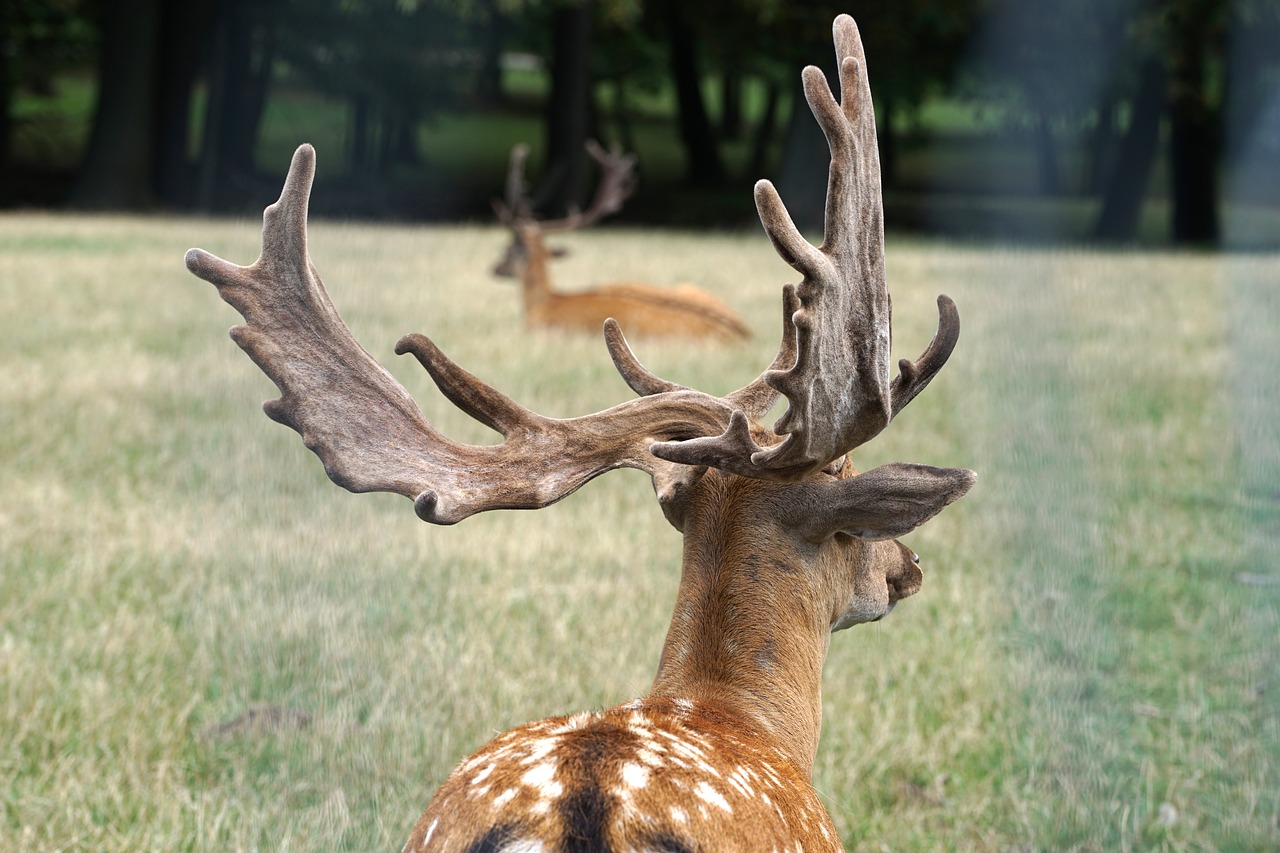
pixel 516 211
pixel 784 540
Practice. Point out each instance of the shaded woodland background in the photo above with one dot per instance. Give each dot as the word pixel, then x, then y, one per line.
pixel 1154 121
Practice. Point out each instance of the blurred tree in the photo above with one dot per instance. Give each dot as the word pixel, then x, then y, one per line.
pixel 39 39
pixel 703 166
pixel 1195 44
pixel 1050 62
pixel 567 116
pixel 396 62
pixel 913 49
pixel 238 37
pixel 1191 63
pixel 117 168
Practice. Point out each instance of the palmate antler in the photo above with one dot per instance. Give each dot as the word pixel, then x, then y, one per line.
pixel 832 366
pixel 838 387
pixel 366 428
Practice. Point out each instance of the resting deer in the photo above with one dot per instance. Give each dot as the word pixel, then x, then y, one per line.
pixel 784 541
pixel 681 310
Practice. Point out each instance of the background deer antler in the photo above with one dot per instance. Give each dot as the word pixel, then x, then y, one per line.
pixel 617 183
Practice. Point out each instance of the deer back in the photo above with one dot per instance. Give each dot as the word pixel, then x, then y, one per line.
pixel 650 775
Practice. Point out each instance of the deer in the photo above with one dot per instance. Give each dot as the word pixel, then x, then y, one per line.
pixel 784 541
pixel 681 310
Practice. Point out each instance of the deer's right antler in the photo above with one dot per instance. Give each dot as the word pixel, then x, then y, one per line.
pixel 368 431
pixel 837 386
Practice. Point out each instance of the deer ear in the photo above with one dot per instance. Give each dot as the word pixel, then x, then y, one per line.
pixel 673 484
pixel 883 503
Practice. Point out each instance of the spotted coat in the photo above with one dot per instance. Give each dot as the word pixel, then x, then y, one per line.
pixel 650 775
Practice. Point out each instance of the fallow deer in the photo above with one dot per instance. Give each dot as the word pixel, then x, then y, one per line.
pixel 680 310
pixel 784 541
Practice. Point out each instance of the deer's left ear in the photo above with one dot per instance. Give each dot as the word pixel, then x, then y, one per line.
pixel 883 503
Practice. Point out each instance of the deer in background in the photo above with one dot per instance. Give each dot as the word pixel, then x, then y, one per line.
pixel 681 310
pixel 784 540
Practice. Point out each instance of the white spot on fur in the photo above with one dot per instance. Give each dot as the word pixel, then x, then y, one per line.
pixel 482 775
pixel 689 749
pixel 649 757
pixel 712 796
pixel 679 815
pixel 525 845
pixel 504 798
pixel 540 749
pixel 539 776
pixel 684 705
pixel 634 775
pixel 431 830
pixel 738 779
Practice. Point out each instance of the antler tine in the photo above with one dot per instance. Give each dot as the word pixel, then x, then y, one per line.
pixel 365 427
pixel 515 203
pixel 914 375
pixel 837 388
pixel 755 400
pixel 617 183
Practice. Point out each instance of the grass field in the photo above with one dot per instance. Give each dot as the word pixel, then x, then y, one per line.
pixel 1091 664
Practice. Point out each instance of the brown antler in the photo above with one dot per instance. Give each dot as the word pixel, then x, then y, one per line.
pixel 838 387
pixel 365 427
pixel 515 204
pixel 617 182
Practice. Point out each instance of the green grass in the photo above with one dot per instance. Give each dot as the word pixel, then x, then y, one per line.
pixel 1090 664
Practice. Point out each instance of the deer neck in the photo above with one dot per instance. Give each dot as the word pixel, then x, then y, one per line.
pixel 750 630
pixel 535 277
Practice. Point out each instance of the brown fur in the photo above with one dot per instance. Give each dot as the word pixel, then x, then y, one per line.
pixel 721 750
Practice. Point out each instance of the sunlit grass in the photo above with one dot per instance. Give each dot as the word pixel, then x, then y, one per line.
pixel 1089 665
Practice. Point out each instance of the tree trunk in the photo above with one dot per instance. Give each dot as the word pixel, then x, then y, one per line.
pixel 1101 147
pixel 184 29
pixel 703 165
pixel 117 168
pixel 361 142
pixel 887 140
pixel 802 175
pixel 568 116
pixel 1193 148
pixel 1047 156
pixel 765 130
pixel 1127 188
pixel 252 56
pixel 731 102
pixel 492 41
pixel 7 20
